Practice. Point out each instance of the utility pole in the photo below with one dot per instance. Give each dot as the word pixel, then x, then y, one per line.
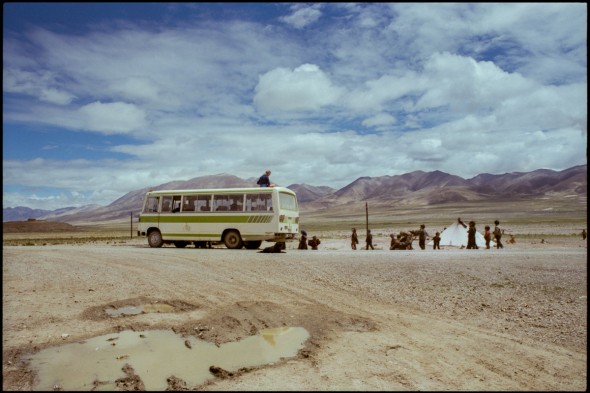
pixel 367 215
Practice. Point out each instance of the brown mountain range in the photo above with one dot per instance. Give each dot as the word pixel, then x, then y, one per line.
pixel 416 188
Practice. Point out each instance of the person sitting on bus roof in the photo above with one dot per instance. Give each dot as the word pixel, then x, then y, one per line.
pixel 264 180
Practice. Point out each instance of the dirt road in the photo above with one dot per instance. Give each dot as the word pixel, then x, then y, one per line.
pixel 512 319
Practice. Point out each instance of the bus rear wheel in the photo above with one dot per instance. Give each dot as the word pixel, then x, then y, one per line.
pixel 233 240
pixel 155 239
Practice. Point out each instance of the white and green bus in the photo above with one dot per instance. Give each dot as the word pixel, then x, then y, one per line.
pixel 236 217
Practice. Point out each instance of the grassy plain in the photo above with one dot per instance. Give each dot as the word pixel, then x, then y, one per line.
pixel 534 214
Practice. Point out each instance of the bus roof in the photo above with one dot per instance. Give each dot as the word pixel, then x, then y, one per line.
pixel 221 190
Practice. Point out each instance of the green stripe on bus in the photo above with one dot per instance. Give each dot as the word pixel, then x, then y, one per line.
pixel 181 219
pixel 168 235
pixel 260 219
pixel 148 219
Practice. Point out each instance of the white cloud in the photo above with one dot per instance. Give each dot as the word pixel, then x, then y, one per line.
pixel 376 94
pixel 112 118
pixel 55 96
pixel 379 120
pixel 303 15
pixel 37 84
pixel 467 85
pixel 136 88
pixel 305 88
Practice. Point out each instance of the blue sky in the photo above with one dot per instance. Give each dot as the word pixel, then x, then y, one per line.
pixel 100 99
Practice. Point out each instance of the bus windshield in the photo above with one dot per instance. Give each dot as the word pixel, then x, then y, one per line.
pixel 287 201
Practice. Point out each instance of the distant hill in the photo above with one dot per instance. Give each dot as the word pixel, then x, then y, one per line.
pixel 21 213
pixel 132 201
pixel 306 193
pixel 33 225
pixel 573 180
pixel 387 187
pixel 417 188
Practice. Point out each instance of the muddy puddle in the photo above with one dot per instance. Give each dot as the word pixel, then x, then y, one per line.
pixel 156 355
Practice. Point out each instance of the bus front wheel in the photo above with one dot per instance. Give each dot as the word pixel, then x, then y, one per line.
pixel 155 239
pixel 232 240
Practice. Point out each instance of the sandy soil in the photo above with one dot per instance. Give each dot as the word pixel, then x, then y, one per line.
pixel 511 319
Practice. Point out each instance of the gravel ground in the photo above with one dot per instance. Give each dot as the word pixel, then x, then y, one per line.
pixel 511 319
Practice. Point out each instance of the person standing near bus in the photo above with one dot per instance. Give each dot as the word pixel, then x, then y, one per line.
pixel 354 239
pixel 498 235
pixel 303 241
pixel 487 235
pixel 422 236
pixel 369 240
pixel 264 180
pixel 471 231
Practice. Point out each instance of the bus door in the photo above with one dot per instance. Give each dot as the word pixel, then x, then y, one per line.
pixel 152 206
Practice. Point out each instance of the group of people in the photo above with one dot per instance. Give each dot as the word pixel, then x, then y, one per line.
pixel 404 240
pixel 314 242
pixel 487 235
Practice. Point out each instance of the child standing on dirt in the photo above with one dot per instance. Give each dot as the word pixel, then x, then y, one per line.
pixel 314 242
pixel 487 235
pixel 436 241
pixel 498 234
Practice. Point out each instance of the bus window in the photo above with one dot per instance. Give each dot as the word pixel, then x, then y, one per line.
pixel 151 205
pixel 166 203
pixel 176 203
pixel 251 202
pixel 258 202
pixel 221 203
pixel 204 203
pixel 170 203
pixel 189 203
pixel 236 203
pixel 265 202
